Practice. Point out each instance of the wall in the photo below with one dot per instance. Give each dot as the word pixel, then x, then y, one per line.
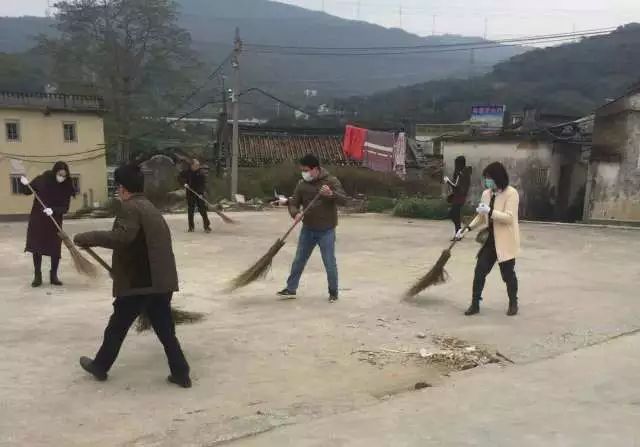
pixel 42 134
pixel 615 182
pixel 529 164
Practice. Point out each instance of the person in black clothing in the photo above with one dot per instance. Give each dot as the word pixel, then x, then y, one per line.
pixel 459 184
pixel 194 179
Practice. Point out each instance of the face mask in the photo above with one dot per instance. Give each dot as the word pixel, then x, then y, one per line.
pixel 307 177
pixel 489 184
pixel 60 178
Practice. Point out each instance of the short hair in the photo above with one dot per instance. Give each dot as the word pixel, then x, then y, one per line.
pixel 310 161
pixel 130 177
pixel 498 173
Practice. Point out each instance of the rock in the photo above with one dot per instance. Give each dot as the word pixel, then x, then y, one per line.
pixel 421 335
pixel 424 353
pixel 422 385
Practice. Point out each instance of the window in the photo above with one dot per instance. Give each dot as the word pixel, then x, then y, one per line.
pixel 16 186
pixel 70 133
pixel 13 130
pixel 75 179
pixel 541 176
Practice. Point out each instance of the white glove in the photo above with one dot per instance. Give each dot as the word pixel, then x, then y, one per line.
pixel 447 179
pixel 282 200
pixel 48 211
pixel 460 234
pixel 24 180
pixel 186 186
pixel 483 209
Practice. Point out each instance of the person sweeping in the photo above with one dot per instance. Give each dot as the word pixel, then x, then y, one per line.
pixel 319 194
pixel 499 212
pixel 195 183
pixel 144 277
pixel 56 190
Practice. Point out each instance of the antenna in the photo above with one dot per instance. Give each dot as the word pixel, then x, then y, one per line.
pixel 433 27
pixel 400 14
pixel 47 11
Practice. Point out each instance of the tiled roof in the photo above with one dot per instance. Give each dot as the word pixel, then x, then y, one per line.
pixel 265 149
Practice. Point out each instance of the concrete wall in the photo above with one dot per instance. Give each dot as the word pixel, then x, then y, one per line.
pixel 42 134
pixel 529 164
pixel 615 183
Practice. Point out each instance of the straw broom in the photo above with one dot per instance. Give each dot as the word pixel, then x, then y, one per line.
pixel 214 208
pixel 263 265
pixel 437 275
pixel 82 265
pixel 144 324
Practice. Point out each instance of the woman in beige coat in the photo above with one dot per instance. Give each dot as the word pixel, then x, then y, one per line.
pixel 499 212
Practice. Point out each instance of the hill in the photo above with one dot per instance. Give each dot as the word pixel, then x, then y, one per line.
pixel 570 79
pixel 212 25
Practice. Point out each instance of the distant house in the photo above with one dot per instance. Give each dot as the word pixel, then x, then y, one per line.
pixel 547 163
pixel 613 187
pixel 40 129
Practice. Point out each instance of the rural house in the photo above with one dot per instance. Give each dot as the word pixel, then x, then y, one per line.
pixel 40 129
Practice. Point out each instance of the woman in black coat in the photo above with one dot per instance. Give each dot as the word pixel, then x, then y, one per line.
pixel 55 188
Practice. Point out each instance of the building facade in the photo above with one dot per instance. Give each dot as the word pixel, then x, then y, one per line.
pixel 40 129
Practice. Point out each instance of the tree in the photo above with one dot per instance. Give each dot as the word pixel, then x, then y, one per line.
pixel 131 52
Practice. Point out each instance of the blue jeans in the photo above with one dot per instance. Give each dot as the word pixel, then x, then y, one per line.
pixel 326 240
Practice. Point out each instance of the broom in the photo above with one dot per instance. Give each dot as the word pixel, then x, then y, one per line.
pixel 82 265
pixel 262 266
pixel 214 208
pixel 144 324
pixel 437 275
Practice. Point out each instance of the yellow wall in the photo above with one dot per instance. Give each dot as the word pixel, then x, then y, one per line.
pixel 42 134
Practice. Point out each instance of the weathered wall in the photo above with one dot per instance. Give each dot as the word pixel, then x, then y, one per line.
pixel 42 134
pixel 529 164
pixel 615 183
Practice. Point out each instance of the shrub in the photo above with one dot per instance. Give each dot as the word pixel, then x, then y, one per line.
pixel 436 209
pixel 380 204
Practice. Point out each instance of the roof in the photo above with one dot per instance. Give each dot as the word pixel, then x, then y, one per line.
pixel 270 148
pixel 52 102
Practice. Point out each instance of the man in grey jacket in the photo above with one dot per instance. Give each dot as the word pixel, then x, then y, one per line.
pixel 144 277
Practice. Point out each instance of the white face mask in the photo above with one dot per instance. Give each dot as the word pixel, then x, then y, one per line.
pixel 307 177
pixel 60 178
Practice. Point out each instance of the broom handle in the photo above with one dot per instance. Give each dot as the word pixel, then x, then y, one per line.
pixel 98 259
pixel 304 211
pixel 199 196
pixel 466 228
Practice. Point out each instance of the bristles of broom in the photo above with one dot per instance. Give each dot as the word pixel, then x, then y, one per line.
pixel 215 208
pixel 82 265
pixel 258 270
pixel 226 219
pixel 437 275
pixel 179 317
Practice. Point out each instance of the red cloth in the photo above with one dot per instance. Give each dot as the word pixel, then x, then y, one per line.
pixel 353 145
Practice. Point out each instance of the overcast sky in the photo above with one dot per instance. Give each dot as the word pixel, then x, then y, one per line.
pixel 502 18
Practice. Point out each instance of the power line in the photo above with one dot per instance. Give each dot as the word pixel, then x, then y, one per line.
pixel 430 46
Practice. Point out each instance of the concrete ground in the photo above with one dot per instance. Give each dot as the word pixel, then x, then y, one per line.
pixel 271 372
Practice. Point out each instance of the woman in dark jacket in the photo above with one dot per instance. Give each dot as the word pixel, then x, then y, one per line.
pixel 55 188
pixel 459 185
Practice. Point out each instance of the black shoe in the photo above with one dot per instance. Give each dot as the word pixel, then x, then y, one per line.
pixel 190 230
pixel 184 382
pixel 333 298
pixel 37 280
pixel 89 366
pixel 53 279
pixel 286 292
pixel 513 308
pixel 207 230
pixel 473 309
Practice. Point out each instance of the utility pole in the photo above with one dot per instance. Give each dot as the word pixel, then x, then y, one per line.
pixel 486 28
pixel 222 148
pixel 323 9
pixel 358 10
pixel 433 27
pixel 237 50
pixel 400 13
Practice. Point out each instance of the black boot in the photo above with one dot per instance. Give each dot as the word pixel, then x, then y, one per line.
pixel 184 381
pixel 89 366
pixel 53 279
pixel 37 279
pixel 513 308
pixel 474 308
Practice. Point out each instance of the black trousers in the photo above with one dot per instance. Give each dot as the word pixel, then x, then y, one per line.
pixel 487 258
pixel 455 214
pixel 37 264
pixel 194 202
pixel 125 312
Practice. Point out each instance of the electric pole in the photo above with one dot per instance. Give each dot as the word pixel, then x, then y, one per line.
pixel 433 27
pixel 486 28
pixel 222 132
pixel 235 100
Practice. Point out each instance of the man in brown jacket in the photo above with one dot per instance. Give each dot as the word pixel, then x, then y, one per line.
pixel 318 225
pixel 144 277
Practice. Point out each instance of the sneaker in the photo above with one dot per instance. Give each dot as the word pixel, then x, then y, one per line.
pixel 286 292
pixel 89 366
pixel 184 382
pixel 333 298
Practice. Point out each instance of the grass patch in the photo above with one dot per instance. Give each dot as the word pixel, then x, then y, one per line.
pixel 421 208
pixel 380 204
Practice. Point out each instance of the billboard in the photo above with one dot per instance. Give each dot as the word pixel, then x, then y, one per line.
pixel 488 117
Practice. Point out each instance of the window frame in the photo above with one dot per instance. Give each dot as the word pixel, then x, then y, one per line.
pixel 16 122
pixel 76 180
pixel 15 184
pixel 75 131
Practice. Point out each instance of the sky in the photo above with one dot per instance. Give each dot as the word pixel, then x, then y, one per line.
pixel 494 18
